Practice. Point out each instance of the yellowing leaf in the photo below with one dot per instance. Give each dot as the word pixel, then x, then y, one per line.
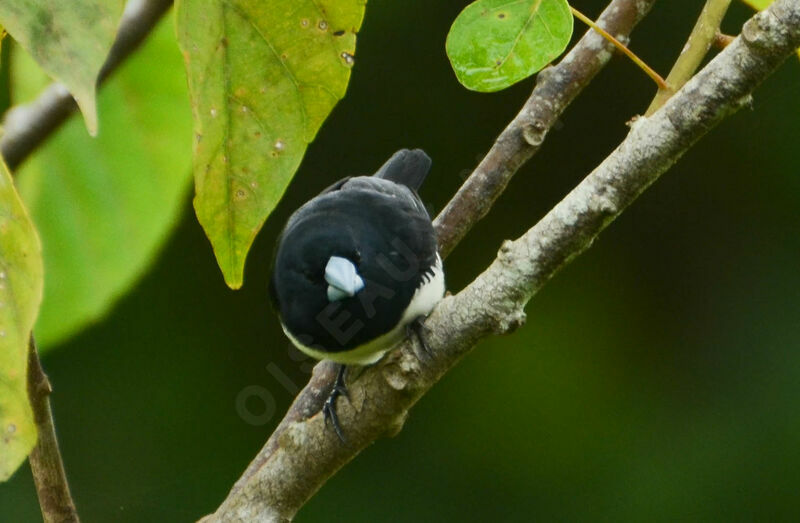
pixel 263 76
pixel 20 295
pixel 69 39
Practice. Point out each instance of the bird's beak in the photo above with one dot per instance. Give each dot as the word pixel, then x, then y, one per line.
pixel 343 280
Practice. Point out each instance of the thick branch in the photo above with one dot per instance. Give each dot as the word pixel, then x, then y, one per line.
pixel 555 89
pixel 302 454
pixel 29 125
pixel 45 459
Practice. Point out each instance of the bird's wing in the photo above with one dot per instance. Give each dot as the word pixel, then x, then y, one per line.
pixel 406 167
pixel 367 185
pixel 335 186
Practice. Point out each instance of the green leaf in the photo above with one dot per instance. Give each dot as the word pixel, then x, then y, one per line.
pixel 105 206
pixel 758 5
pixel 263 76
pixel 496 43
pixel 20 295
pixel 68 39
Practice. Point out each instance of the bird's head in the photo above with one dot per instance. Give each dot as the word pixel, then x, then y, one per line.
pixel 318 263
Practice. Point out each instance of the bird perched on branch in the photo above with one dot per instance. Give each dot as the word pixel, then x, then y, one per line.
pixel 357 268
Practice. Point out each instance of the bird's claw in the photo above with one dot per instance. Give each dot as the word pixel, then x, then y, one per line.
pixel 417 329
pixel 329 407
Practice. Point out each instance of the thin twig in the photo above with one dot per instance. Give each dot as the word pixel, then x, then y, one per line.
pixel 27 126
pixel 700 40
pixel 721 40
pixel 45 459
pixel 302 454
pixel 649 71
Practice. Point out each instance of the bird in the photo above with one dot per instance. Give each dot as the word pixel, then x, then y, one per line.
pixel 357 269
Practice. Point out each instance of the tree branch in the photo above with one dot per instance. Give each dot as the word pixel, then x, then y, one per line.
pixel 45 459
pixel 27 126
pixel 555 89
pixel 302 454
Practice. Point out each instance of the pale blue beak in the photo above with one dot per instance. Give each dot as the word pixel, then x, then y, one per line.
pixel 343 280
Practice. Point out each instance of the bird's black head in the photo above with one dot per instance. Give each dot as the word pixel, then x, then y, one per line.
pixel 377 242
pixel 298 282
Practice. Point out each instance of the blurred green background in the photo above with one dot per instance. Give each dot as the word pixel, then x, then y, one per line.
pixel 657 378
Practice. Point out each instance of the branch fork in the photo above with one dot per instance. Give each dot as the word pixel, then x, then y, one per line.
pixel 494 301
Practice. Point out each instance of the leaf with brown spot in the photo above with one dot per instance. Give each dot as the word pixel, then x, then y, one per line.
pixel 263 76
pixel 495 43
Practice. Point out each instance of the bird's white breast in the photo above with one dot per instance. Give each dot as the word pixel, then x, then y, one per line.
pixel 427 295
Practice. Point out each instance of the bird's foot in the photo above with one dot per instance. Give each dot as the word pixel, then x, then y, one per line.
pixel 417 329
pixel 329 407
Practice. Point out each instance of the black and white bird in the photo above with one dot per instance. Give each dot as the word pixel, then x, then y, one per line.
pixel 357 267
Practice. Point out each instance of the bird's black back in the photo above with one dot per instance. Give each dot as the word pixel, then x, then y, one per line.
pixel 379 224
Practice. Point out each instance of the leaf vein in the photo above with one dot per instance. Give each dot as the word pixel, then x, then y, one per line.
pixel 533 13
pixel 231 214
pixel 277 56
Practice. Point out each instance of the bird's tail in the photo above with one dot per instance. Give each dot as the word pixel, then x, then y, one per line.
pixel 406 167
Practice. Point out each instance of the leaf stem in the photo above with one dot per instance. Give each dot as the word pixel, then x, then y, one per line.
pixel 619 45
pixel 703 36
pixel 45 459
